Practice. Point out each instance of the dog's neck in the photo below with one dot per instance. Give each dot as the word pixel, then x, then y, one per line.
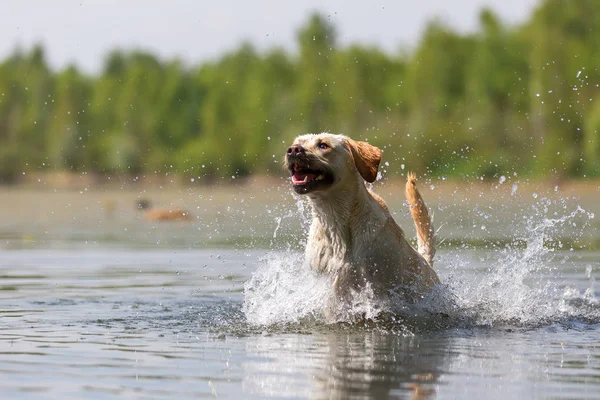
pixel 336 209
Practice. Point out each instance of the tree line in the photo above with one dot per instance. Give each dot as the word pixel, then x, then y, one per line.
pixel 503 100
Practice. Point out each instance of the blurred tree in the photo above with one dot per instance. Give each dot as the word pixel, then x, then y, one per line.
pixel 591 145
pixel 315 82
pixel 359 77
pixel 565 76
pixel 26 86
pixel 437 76
pixel 105 89
pixel 66 133
pixel 504 99
pixel 497 74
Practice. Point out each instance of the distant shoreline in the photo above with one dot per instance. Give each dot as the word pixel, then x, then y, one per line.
pixel 65 180
pixel 254 207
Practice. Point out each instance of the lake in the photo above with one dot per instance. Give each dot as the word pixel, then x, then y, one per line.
pixel 97 302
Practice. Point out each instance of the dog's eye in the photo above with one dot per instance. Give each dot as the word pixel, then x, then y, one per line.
pixel 323 146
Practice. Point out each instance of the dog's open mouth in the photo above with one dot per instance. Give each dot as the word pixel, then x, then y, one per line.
pixel 306 179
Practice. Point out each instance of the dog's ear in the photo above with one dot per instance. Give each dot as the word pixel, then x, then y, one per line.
pixel 366 158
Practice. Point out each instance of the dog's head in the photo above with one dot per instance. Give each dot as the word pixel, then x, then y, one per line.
pixel 318 162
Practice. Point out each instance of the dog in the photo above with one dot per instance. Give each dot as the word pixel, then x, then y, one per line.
pixel 162 214
pixel 353 238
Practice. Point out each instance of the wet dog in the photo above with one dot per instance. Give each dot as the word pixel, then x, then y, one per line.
pixel 353 237
pixel 162 214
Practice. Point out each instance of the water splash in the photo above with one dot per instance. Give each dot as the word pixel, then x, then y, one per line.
pixel 517 287
pixel 283 291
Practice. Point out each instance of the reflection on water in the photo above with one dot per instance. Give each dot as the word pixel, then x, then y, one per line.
pixel 342 365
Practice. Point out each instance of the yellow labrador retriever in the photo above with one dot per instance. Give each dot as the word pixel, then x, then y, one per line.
pixel 353 238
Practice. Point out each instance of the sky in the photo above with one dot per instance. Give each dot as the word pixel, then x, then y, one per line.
pixel 84 31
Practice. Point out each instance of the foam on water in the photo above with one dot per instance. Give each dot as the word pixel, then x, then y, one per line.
pixel 518 288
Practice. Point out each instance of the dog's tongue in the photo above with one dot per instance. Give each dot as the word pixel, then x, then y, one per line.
pixel 301 177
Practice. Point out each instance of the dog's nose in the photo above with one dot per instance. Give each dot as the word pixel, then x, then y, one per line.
pixel 295 150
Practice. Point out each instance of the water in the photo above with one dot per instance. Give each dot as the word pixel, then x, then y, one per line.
pixel 102 306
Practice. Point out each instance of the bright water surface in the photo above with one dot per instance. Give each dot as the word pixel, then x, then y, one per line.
pixel 98 303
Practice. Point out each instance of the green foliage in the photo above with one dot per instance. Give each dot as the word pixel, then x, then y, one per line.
pixel 503 100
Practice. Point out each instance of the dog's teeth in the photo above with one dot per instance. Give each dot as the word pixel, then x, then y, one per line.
pixel 305 179
pixel 319 177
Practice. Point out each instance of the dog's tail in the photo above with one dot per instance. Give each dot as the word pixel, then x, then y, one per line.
pixel 423 223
